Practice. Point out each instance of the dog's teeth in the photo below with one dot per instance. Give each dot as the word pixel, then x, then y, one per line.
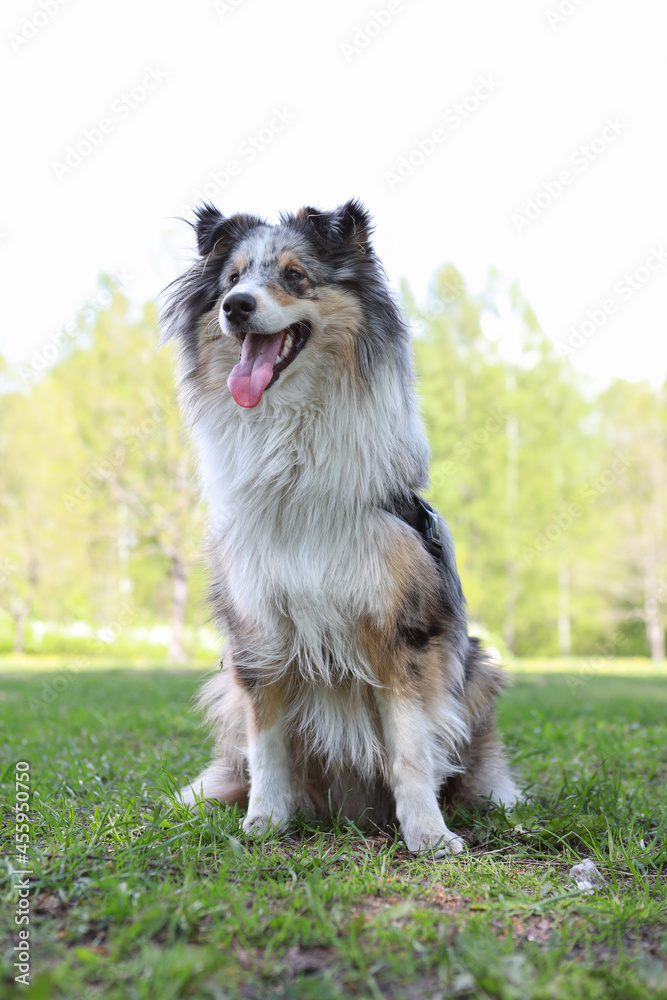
pixel 286 348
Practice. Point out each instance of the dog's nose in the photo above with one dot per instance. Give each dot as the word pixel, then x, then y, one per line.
pixel 238 306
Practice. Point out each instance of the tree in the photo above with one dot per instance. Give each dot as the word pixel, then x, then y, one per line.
pixel 511 451
pixel 40 574
pixel 137 483
pixel 97 500
pixel 634 491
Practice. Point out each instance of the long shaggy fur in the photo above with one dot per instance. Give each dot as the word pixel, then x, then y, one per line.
pixel 349 683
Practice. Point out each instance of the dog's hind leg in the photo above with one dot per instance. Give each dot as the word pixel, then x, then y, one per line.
pixel 486 778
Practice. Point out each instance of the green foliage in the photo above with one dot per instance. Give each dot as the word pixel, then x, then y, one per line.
pixel 556 498
pixel 97 499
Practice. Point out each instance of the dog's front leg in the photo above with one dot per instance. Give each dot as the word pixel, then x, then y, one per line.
pixel 269 764
pixel 407 737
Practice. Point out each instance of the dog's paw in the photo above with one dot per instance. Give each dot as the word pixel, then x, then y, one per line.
pixel 505 793
pixel 257 824
pixel 434 840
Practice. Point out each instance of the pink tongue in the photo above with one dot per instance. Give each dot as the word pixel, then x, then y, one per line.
pixel 250 377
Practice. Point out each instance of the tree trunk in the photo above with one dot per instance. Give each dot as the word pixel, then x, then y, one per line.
pixel 124 543
pixel 564 624
pixel 512 499
pixel 179 596
pixel 653 620
pixel 20 616
pixel 655 633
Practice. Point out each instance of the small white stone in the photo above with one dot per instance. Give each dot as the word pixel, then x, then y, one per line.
pixel 587 877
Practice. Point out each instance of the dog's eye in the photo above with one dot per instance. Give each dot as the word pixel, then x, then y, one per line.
pixel 292 274
pixel 233 278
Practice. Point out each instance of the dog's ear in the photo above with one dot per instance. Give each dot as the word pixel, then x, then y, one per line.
pixel 209 223
pixel 213 229
pixel 348 225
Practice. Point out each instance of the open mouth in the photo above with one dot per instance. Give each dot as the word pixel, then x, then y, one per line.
pixel 263 357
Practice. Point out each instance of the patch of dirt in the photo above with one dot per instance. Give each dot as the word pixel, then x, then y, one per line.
pixel 640 941
pixel 295 961
pixel 308 960
pixel 51 905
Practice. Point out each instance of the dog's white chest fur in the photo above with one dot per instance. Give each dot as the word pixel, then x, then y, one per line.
pixel 292 499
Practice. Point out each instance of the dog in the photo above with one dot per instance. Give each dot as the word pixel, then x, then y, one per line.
pixel 349 684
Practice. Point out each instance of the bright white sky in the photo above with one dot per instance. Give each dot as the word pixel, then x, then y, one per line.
pixel 219 76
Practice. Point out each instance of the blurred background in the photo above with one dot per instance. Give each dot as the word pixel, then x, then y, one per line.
pixel 513 156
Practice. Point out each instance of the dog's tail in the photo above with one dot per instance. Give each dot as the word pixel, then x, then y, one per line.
pixel 226 778
pixel 216 782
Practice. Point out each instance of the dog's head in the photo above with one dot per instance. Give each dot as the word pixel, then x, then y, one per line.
pixel 277 302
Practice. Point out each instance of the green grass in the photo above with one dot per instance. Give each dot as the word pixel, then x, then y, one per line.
pixel 130 901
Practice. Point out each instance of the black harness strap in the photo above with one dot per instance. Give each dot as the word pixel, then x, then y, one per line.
pixel 419 514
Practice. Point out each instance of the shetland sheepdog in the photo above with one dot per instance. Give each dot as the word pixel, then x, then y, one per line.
pixel 349 684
